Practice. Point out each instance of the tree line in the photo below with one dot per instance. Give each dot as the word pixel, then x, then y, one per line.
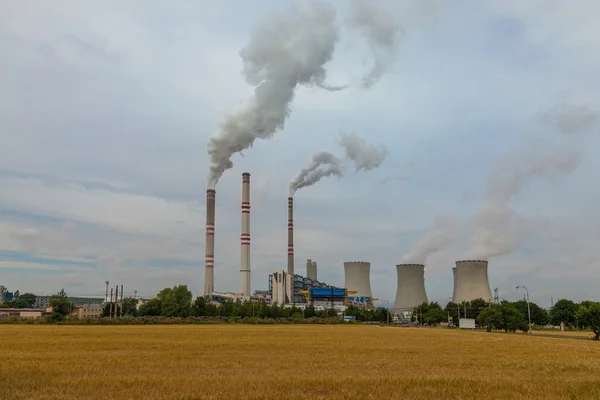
pixel 513 316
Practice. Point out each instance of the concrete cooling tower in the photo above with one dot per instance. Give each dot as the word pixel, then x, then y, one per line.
pixel 209 249
pixel 411 287
pixel 471 281
pixel 245 237
pixel 357 278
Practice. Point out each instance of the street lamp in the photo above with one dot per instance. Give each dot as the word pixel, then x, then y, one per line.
pixel 528 309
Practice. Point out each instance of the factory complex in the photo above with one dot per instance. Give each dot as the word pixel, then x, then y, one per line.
pixel 287 288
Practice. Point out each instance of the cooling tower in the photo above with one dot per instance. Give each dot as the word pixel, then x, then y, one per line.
pixel 290 260
pixel 357 278
pixel 209 249
pixel 411 287
pixel 471 281
pixel 314 271
pixel 245 237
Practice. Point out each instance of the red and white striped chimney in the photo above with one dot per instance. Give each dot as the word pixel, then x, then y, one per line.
pixel 290 260
pixel 209 249
pixel 245 238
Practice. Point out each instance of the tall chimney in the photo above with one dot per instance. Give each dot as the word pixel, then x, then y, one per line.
pixel 314 270
pixel 245 238
pixel 290 260
pixel 209 250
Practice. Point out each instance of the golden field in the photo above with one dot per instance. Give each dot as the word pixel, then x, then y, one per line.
pixel 290 362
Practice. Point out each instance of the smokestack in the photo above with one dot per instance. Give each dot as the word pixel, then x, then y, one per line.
pixel 314 270
pixel 290 260
pixel 411 287
pixel 245 238
pixel 471 281
pixel 209 250
pixel 357 278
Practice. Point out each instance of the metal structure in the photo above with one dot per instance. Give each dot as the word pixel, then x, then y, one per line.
pixel 357 278
pixel 245 237
pixel 410 290
pixel 290 259
pixel 209 250
pixel 471 281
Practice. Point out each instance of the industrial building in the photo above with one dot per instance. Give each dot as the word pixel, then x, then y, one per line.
pixel 471 281
pixel 410 290
pixel 287 289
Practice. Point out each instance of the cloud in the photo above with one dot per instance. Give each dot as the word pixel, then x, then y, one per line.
pixel 107 109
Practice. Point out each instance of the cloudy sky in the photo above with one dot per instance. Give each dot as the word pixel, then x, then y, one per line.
pixel 488 113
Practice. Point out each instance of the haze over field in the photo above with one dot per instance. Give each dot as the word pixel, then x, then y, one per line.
pixel 483 121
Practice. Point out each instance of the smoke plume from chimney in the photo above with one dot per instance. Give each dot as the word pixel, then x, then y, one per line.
pixel 323 164
pixel 364 156
pixel 445 231
pixel 285 50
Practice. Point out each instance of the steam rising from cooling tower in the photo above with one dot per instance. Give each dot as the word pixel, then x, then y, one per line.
pixel 357 278
pixel 445 231
pixel 365 157
pixel 288 49
pixel 471 281
pixel 245 237
pixel 209 249
pixel 410 291
pixel 498 228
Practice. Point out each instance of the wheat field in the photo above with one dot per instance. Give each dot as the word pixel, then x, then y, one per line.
pixel 290 362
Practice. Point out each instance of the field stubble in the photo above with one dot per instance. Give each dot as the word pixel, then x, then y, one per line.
pixel 290 362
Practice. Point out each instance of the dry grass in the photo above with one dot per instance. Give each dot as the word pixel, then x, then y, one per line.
pixel 290 362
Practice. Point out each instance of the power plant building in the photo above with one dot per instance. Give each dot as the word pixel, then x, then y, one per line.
pixel 471 281
pixel 311 269
pixel 411 287
pixel 287 289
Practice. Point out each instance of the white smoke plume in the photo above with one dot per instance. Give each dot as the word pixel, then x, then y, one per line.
pixel 323 164
pixel 445 231
pixel 285 50
pixel 365 156
pixel 499 229
pixel 382 32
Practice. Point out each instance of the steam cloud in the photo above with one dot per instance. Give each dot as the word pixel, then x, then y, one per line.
pixel 445 231
pixel 289 49
pixel 364 155
pixel 324 164
pixel 382 32
pixel 499 229
pixel 286 50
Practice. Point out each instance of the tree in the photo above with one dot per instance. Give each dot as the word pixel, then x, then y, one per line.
pixel 474 307
pixel 452 310
pixel 435 315
pixel 151 308
pixel 563 311
pixel 491 318
pixel 539 316
pixel 512 319
pixel 309 311
pixel 589 317
pixel 176 301
pixel 129 307
pixel 61 306
pixel 28 298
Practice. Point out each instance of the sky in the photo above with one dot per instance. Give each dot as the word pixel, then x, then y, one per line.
pixel 488 112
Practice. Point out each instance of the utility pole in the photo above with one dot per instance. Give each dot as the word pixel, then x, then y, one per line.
pixel 117 301
pixel 135 294
pixel 110 313
pixel 106 296
pixel 528 309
